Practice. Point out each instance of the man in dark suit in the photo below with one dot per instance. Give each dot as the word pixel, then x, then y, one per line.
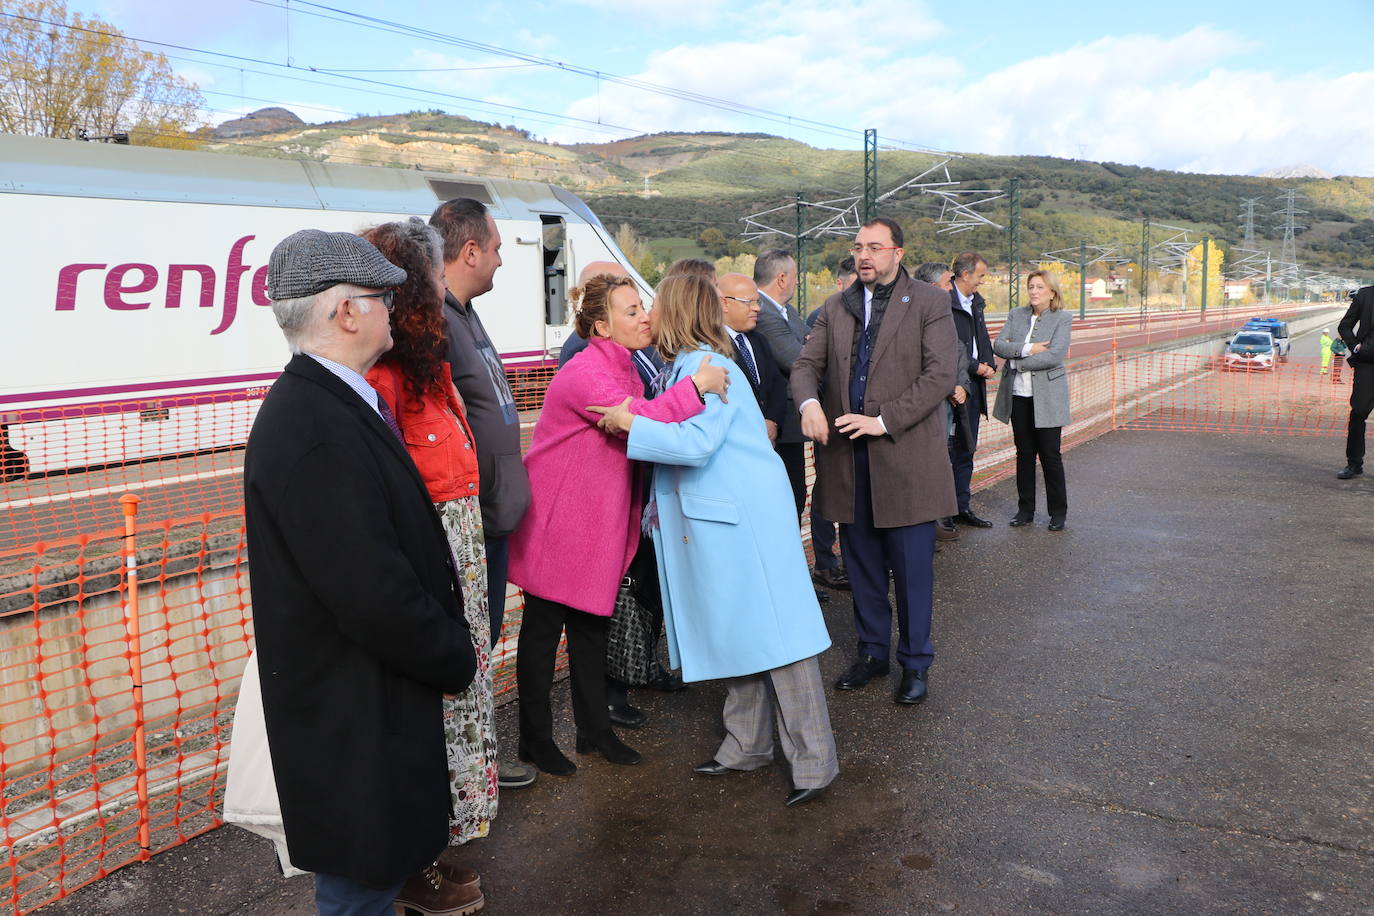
pixel 356 610
pixel 871 383
pixel 739 299
pixel 828 570
pixel 967 306
pixel 1357 333
pixel 775 275
pixel 472 255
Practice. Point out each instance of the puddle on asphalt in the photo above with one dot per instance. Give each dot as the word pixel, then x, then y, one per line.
pixel 920 863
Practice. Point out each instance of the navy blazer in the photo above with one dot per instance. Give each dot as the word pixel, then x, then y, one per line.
pixel 771 390
pixel 971 330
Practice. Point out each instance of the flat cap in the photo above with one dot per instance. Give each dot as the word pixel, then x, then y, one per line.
pixel 312 260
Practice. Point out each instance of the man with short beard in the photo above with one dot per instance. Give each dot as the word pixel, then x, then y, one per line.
pixel 871 384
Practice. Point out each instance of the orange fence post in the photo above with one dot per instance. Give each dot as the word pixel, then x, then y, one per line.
pixel 1113 383
pixel 129 503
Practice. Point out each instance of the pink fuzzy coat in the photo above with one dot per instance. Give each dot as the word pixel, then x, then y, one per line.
pixel 582 528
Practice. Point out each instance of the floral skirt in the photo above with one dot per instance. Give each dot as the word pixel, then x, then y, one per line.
pixel 469 718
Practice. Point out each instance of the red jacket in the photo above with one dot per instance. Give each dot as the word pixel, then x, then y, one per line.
pixel 436 433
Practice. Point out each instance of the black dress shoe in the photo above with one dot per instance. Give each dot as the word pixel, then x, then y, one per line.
pixel 713 767
pixel 831 578
pixel 667 681
pixel 1349 471
pixel 913 687
pixel 1056 524
pixel 945 530
pixel 546 756
pixel 608 745
pixel 973 521
pixel 802 796
pixel 861 672
pixel 1020 521
pixel 627 716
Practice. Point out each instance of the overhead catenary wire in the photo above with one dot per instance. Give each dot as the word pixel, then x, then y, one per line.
pixel 309 8
pixel 601 127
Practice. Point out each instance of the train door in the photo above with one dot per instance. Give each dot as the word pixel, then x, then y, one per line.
pixel 557 256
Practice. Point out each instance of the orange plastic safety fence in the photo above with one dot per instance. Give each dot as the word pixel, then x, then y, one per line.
pixel 98 769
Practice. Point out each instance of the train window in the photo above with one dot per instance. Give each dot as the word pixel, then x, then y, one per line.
pixel 555 245
pixel 448 190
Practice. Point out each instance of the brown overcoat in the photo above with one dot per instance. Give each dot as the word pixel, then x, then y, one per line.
pixel 911 372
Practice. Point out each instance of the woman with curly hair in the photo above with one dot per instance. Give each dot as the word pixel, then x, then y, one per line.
pixel 413 379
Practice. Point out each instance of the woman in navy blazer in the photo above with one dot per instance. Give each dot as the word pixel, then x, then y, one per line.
pixel 737 595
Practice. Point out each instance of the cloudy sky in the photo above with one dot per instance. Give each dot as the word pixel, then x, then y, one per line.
pixel 1231 86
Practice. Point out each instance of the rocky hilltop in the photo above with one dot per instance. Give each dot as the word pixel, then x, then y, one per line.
pixel 262 121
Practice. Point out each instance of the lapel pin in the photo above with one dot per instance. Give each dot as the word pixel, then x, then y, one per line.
pixel 906 298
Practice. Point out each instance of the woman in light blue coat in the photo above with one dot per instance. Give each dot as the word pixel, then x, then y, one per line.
pixel 737 594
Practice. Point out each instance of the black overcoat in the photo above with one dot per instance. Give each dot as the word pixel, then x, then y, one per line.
pixel 359 631
pixel 1357 326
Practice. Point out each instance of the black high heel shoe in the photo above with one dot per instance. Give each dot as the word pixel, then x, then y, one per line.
pixel 608 745
pixel 547 756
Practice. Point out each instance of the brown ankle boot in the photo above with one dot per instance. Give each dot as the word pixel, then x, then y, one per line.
pixel 431 894
pixel 460 875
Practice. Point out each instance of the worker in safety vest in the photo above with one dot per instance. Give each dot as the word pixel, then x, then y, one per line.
pixel 1339 351
pixel 1325 343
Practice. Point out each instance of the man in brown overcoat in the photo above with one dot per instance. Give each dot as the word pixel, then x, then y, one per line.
pixel 883 353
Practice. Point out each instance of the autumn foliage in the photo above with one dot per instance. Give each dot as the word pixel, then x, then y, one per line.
pixel 62 74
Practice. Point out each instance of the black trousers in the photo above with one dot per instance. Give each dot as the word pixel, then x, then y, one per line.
pixel 540 629
pixel 1361 401
pixel 1032 441
pixel 793 455
pixel 960 456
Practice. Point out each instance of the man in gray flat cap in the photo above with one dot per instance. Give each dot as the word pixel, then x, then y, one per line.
pixel 359 625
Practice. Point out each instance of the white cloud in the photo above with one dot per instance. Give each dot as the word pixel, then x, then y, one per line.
pixel 1154 101
pixel 1162 101
pixel 815 59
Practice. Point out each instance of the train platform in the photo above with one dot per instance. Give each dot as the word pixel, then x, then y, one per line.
pixel 1167 708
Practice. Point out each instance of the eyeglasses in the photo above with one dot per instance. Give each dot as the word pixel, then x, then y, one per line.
pixel 745 301
pixel 387 298
pixel 870 248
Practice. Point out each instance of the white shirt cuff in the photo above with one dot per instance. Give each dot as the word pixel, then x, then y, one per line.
pixel 801 408
pixel 1025 351
pixel 882 424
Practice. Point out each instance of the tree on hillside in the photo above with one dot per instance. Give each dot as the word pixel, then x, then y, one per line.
pixel 713 242
pixel 62 74
pixel 631 245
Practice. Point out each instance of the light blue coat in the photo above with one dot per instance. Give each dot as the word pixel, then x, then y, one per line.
pixel 737 595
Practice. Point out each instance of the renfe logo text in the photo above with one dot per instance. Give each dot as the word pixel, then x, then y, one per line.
pixel 135 287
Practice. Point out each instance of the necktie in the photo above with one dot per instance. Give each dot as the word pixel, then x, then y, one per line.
pixel 748 360
pixel 389 418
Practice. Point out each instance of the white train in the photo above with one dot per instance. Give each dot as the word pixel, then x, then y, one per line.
pixel 136 285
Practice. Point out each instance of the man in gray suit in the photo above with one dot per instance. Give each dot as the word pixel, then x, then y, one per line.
pixel 775 274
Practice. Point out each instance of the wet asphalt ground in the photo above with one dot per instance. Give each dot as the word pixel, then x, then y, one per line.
pixel 1167 708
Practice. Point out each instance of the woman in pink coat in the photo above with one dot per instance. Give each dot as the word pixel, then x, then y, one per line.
pixel 576 542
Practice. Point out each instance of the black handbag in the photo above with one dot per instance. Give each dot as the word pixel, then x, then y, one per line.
pixel 630 642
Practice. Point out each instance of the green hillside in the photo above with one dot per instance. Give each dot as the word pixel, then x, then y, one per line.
pixel 705 180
